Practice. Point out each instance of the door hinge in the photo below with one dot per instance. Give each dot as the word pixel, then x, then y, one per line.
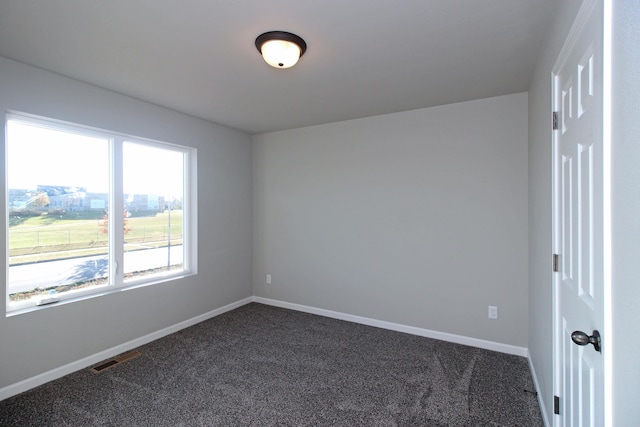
pixel 556 267
pixel 556 405
pixel 555 120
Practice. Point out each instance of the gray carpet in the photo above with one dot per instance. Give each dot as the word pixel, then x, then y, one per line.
pixel 265 366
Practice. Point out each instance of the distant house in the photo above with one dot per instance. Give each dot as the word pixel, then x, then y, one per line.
pixel 77 199
pixel 144 204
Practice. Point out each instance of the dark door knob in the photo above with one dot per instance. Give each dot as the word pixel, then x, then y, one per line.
pixel 581 338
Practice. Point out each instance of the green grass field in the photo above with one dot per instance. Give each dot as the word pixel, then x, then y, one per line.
pixel 52 237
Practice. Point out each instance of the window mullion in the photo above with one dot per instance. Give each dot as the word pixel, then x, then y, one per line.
pixel 116 211
pixel 190 211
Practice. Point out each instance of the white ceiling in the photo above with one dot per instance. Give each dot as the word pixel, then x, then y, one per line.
pixel 364 57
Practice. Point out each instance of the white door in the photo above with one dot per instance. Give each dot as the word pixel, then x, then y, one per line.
pixel 579 228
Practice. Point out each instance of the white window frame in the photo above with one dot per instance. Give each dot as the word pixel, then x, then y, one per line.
pixel 116 282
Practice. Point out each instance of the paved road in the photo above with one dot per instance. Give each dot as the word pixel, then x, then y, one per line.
pixel 54 273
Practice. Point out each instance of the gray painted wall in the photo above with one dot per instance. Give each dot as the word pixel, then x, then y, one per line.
pixel 540 208
pixel 417 218
pixel 37 342
pixel 625 183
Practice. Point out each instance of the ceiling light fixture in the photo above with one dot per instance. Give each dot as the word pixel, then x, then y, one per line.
pixel 280 49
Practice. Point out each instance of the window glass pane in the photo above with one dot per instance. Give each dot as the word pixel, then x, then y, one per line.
pixel 153 185
pixel 57 192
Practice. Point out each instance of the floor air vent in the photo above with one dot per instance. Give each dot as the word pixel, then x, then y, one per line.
pixel 115 361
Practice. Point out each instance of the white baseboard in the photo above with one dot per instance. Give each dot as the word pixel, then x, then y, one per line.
pixel 61 371
pixel 56 373
pixel 443 336
pixel 543 409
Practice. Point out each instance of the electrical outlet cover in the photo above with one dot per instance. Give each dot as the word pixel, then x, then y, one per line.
pixel 493 312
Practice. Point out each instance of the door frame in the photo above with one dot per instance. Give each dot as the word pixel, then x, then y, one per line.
pixel 570 40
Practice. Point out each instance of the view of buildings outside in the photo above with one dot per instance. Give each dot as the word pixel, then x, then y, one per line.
pixel 68 228
pixel 58 236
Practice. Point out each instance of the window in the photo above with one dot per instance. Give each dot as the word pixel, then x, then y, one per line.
pixel 91 211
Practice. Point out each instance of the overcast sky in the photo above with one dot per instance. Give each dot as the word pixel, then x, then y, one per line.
pixel 41 156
